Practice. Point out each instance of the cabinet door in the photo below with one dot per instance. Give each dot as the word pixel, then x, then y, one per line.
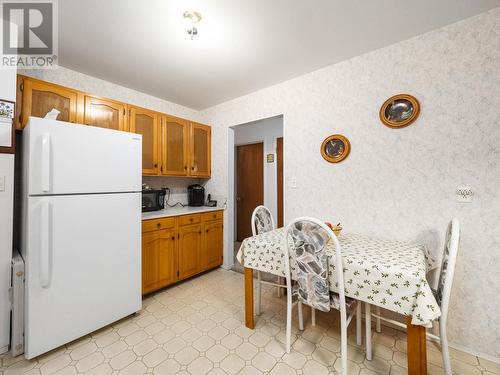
pixel 150 245
pixel 200 150
pixel 145 122
pixel 104 113
pixel 189 250
pixel 39 98
pixel 174 144
pixel 213 244
pixel 167 258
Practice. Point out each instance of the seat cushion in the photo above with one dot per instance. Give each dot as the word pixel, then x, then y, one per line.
pixel 350 303
pixel 334 300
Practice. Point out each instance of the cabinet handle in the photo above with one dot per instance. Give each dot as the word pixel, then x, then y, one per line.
pixel 190 219
pixel 156 165
pixel 199 232
pixel 192 168
pixel 185 167
pixel 173 238
pixel 158 225
pixel 214 216
pixel 206 230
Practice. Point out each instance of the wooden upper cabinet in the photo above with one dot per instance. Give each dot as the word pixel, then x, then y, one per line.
pixel 175 146
pixel 105 113
pixel 200 140
pixel 39 98
pixel 145 122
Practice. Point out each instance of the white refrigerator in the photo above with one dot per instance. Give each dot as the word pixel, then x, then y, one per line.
pixel 81 232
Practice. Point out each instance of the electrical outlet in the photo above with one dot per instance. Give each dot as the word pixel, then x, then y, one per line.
pixel 464 194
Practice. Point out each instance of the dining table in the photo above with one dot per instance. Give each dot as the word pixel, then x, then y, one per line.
pixel 380 272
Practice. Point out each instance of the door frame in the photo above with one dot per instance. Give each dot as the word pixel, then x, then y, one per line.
pixel 229 218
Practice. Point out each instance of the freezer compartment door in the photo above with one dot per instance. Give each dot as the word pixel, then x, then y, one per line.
pixel 83 266
pixel 64 158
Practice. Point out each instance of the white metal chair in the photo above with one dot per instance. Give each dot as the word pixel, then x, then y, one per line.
pixel 442 294
pixel 307 239
pixel 262 221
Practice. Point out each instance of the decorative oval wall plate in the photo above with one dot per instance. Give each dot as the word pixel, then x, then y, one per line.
pixel 399 111
pixel 335 148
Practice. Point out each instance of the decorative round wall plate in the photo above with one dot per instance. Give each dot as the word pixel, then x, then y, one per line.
pixel 399 111
pixel 335 148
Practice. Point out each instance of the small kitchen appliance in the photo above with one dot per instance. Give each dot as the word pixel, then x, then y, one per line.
pixel 196 195
pixel 153 200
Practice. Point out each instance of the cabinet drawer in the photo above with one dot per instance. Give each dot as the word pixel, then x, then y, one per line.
pixel 189 219
pixel 215 215
pixel 155 224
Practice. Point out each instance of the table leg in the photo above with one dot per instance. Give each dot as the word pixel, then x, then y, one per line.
pixel 249 298
pixel 416 349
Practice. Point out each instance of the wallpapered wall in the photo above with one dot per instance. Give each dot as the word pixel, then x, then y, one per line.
pixel 400 183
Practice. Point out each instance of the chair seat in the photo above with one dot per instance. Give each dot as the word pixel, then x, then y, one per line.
pixel 334 299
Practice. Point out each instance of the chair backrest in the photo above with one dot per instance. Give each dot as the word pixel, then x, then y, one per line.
pixel 448 263
pixel 306 240
pixel 262 220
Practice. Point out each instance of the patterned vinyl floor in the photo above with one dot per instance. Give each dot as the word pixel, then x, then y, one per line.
pixel 196 327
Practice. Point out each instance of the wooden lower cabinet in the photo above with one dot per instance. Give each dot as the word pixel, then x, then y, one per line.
pixel 213 239
pixel 189 250
pixel 174 249
pixel 159 268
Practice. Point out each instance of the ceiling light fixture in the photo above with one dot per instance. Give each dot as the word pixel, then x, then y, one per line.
pixel 193 17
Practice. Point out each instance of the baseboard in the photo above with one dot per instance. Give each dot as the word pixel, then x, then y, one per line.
pixel 462 348
pixel 488 357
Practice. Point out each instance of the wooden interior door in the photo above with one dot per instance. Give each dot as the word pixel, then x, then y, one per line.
pixel 200 152
pixel 145 122
pixel 279 171
pixel 175 146
pixel 39 98
pixel 167 257
pixel 213 244
pixel 189 250
pixel 249 186
pixel 105 113
pixel 150 248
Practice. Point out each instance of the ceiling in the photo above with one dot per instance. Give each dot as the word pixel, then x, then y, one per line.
pixel 244 45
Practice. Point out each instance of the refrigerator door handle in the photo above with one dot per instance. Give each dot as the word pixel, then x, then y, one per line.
pixel 45 161
pixel 46 244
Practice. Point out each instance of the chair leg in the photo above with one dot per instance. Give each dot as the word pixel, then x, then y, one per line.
pixel 259 293
pixel 445 352
pixel 301 316
pixel 288 320
pixel 313 316
pixel 343 346
pixel 368 323
pixel 358 324
pixel 378 327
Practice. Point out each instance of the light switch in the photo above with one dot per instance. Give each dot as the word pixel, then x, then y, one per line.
pixel 2 183
pixel 293 183
pixel 464 194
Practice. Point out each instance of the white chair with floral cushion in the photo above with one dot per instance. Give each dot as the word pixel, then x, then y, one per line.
pixel 306 240
pixel 262 221
pixel 442 294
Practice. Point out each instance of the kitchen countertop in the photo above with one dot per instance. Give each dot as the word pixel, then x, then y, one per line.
pixel 177 211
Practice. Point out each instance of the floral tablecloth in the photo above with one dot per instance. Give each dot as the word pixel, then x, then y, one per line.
pixel 385 273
